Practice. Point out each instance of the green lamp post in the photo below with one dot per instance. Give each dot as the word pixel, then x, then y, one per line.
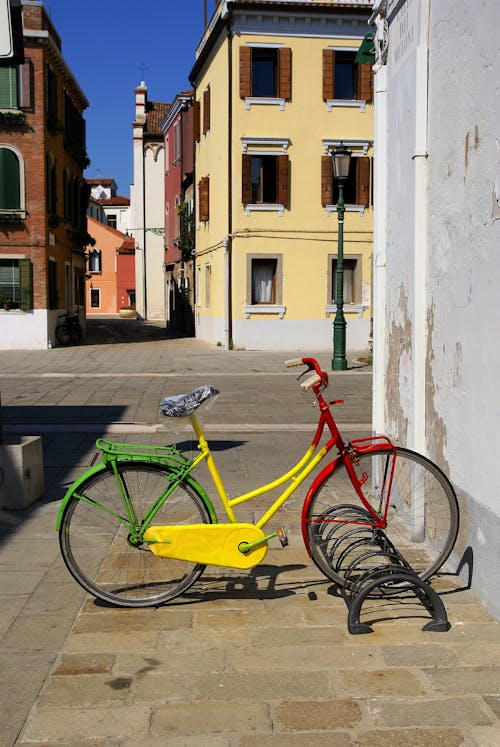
pixel 341 159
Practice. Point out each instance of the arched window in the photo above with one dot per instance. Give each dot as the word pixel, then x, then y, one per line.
pixel 10 180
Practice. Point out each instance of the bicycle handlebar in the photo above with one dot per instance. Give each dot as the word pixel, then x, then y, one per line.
pixel 316 379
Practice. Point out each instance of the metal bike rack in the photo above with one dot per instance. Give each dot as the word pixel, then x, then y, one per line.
pixel 373 568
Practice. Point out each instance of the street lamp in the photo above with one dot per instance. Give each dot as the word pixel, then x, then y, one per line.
pixel 341 159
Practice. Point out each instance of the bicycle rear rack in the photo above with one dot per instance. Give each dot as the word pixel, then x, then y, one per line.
pixel 166 455
pixel 373 568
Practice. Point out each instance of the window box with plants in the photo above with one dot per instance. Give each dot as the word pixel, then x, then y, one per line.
pixel 12 118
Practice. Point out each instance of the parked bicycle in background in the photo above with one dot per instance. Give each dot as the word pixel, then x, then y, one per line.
pixel 69 331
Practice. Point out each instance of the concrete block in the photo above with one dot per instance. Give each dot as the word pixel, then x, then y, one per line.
pixel 21 471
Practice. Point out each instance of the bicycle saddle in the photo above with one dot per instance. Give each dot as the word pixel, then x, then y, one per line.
pixel 181 405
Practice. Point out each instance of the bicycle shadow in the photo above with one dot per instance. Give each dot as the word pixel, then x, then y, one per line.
pixel 243 585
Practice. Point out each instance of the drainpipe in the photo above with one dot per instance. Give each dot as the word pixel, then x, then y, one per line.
pixel 144 279
pixel 229 245
pixel 421 240
pixel 380 224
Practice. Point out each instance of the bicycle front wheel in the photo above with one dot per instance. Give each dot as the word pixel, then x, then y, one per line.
pixel 63 335
pixel 95 536
pixel 422 519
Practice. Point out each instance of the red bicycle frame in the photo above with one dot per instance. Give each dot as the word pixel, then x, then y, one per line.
pixel 348 454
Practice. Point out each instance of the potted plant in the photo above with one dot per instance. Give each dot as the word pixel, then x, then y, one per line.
pixel 127 312
pixel 6 302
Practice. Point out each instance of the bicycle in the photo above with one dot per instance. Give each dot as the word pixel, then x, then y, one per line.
pixel 69 332
pixel 137 529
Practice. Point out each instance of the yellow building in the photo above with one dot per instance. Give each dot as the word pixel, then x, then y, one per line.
pixel 277 88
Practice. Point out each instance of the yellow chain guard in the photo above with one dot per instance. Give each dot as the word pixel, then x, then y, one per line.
pixel 210 544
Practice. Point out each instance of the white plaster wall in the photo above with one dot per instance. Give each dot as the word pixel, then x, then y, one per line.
pixel 464 239
pixel 463 408
pixel 155 252
pixel 280 334
pixel 452 307
pixel 30 328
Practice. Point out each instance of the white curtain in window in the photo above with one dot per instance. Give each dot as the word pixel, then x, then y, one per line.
pixel 262 283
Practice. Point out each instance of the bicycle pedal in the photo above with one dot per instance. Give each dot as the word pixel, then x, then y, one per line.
pixel 281 535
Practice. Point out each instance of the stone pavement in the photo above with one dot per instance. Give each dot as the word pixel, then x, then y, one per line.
pixel 245 658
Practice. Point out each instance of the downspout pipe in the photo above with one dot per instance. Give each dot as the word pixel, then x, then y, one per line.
pixel 380 149
pixel 229 249
pixel 144 275
pixel 420 247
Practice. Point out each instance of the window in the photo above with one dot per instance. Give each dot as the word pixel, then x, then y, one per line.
pixel 204 198
pixel 51 184
pixel 74 127
pixel 356 187
pixel 53 295
pixel 264 281
pixel 51 96
pixel 95 260
pixel 198 286
pixel 352 279
pixel 16 86
pixel 344 79
pixel 8 88
pixel 208 275
pixel 177 141
pixel 95 298
pixel 196 121
pixel 206 110
pixel 265 180
pixel 266 72
pixel 10 180
pixel 16 282
pixel 112 220
pixel 79 280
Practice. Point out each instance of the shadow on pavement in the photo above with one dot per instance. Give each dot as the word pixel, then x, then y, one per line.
pixel 103 331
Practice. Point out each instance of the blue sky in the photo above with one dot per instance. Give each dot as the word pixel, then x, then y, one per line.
pixel 106 43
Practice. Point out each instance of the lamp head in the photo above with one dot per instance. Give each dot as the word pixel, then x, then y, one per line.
pixel 341 160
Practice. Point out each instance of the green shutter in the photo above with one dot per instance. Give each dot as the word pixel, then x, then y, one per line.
pixel 26 283
pixel 8 88
pixel 10 185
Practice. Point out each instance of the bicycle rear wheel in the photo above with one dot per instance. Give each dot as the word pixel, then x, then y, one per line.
pixel 422 520
pixel 96 543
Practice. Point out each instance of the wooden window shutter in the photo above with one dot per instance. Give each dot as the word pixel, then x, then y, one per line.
pixel 26 85
pixel 328 74
pixel 326 181
pixel 196 121
pixel 206 110
pixel 246 179
pixel 283 180
pixel 204 190
pixel 363 181
pixel 365 81
pixel 26 284
pixel 245 72
pixel 285 72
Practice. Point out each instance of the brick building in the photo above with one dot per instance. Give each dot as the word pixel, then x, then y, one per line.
pixel 43 195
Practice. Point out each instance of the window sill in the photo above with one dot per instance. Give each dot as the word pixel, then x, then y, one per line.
pixel 262 208
pixel 258 100
pixel 353 103
pixel 349 308
pixel 12 216
pixel 348 209
pixel 265 308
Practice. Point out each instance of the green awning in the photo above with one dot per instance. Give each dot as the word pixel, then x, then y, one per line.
pixel 366 52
